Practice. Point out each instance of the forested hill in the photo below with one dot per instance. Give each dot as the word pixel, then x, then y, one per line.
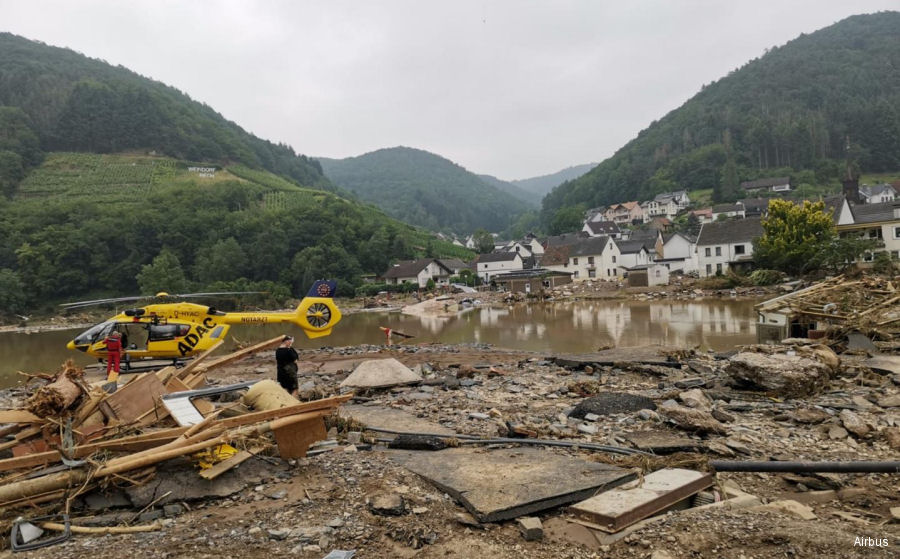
pixel 74 103
pixel 424 189
pixel 87 226
pixel 545 183
pixel 531 198
pixel 802 109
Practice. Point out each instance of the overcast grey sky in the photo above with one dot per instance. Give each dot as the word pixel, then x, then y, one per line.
pixel 512 88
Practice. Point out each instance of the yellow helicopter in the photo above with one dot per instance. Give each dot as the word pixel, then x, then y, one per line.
pixel 181 330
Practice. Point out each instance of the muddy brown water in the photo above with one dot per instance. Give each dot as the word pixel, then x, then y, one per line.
pixel 569 327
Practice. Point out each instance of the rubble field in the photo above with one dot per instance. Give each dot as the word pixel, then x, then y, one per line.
pixel 352 492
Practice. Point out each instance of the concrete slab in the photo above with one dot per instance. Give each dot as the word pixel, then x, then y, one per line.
pixel 663 442
pixel 648 355
pixel 508 483
pixel 884 364
pixel 394 419
pixel 617 509
pixel 381 373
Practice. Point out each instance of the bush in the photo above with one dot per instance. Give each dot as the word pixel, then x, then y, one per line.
pixel 729 280
pixel 766 277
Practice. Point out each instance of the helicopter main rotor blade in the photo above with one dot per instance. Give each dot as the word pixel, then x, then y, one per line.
pixel 78 304
pixel 215 293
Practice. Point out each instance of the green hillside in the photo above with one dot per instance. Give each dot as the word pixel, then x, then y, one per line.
pixel 543 184
pixel 532 199
pixel 87 224
pixel 424 189
pixel 803 109
pixel 74 103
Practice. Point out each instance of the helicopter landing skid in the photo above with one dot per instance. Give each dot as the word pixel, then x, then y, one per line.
pixel 153 365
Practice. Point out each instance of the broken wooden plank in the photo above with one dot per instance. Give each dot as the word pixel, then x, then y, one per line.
pixel 135 400
pixel 240 354
pixel 149 440
pixel 294 440
pixel 621 507
pixel 19 416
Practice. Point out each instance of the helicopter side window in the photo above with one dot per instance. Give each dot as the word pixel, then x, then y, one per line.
pixel 162 332
pixel 94 333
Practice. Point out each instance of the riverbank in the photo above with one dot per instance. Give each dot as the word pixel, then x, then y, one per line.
pixel 686 400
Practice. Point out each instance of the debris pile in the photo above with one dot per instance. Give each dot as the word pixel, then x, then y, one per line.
pixel 72 437
pixel 869 304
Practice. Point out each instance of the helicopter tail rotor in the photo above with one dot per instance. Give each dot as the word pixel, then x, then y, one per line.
pixel 317 313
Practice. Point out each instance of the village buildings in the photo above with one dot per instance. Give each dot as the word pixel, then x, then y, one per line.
pixel 418 272
pixel 773 184
pixel 725 245
pixel 489 265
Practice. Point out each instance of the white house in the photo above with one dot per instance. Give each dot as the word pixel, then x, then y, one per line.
pixel 877 193
pixel 677 252
pixel 489 265
pixel 726 244
pixel 879 222
pixel 418 272
pixel 667 204
pixel 728 210
pixel 602 229
pixel 632 253
pixel 583 257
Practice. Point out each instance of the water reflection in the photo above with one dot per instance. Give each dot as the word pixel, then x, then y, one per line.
pixel 578 326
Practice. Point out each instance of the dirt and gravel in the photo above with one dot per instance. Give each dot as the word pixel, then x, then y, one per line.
pixel 307 507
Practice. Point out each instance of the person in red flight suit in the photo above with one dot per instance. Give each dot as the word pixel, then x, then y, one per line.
pixel 113 355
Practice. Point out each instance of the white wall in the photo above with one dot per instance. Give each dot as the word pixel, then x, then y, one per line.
pixel 719 261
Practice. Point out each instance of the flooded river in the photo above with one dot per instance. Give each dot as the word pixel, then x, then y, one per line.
pixel 578 326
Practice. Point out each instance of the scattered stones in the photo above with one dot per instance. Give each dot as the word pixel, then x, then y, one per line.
pixel 892 436
pixel 854 424
pixel 836 432
pixel 792 508
pixel 531 528
pixel 695 399
pixel 809 415
pixel 692 419
pixel 786 374
pixel 607 403
pixel 892 401
pixel 380 373
pixel 387 504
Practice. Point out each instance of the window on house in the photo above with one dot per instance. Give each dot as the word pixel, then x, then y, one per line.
pixel 592 273
pixel 484 266
pixel 575 261
pixel 708 252
pixel 590 260
pixel 739 249
pixel 575 275
pixel 718 251
pixel 897 232
pixel 657 273
pixel 719 268
pixel 708 268
pixel 614 259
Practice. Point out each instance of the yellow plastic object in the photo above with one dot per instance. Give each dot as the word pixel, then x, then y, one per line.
pixel 210 457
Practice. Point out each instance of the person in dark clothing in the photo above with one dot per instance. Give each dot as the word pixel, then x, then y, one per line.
pixel 286 358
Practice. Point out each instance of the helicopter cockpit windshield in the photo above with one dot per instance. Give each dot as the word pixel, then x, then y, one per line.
pixel 94 333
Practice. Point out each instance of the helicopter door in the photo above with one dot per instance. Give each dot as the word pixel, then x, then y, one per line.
pixel 167 332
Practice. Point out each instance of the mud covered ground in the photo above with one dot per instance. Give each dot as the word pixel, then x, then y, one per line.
pixel 307 507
